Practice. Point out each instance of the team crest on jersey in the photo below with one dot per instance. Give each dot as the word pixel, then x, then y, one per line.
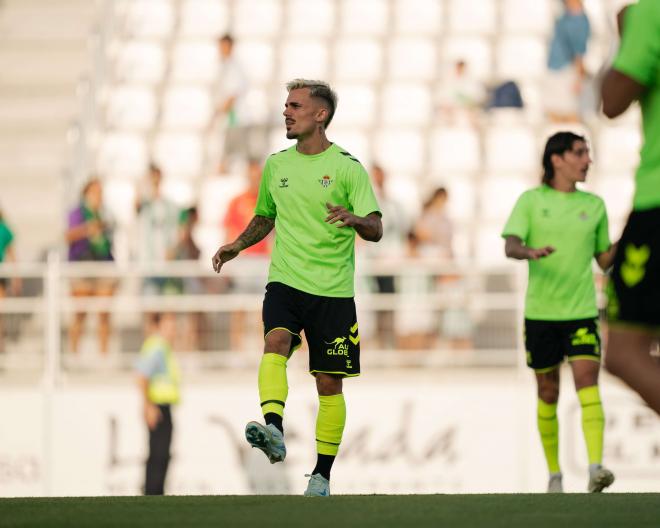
pixel 284 182
pixel 584 216
pixel 326 181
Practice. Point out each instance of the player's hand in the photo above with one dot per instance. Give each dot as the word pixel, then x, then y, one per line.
pixel 224 254
pixel 535 254
pixel 338 213
pixel 152 415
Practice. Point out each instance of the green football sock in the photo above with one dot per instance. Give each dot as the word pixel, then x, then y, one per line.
pixel 330 423
pixel 549 430
pixel 593 422
pixel 273 386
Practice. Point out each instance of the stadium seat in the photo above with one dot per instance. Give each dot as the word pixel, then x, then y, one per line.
pixel 461 197
pixel 417 17
pixel 277 140
pixel 525 17
pixel 139 61
pixel 181 192
pixel 257 18
pixel 179 154
pixel 149 18
pixel 357 105
pixel 131 108
pixel 412 58
pixel 358 59
pixel 122 155
pixel 489 245
pixel 472 16
pixel 119 197
pixel 301 12
pixel 353 140
pixel 195 62
pixel 475 51
pixel 618 147
pixel 521 57
pixel 214 196
pixel 186 107
pixel 455 149
pixel 617 192
pixel 303 58
pixel 258 108
pixel 400 150
pixel 498 195
pixel 406 104
pixel 259 55
pixel 511 148
pixel 204 18
pixel 406 191
pixel 366 17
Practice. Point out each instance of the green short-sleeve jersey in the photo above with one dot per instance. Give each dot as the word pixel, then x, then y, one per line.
pixel 561 285
pixel 310 254
pixel 6 238
pixel 639 58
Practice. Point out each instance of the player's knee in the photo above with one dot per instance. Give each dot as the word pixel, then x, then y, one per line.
pixel 278 342
pixel 328 384
pixel 549 393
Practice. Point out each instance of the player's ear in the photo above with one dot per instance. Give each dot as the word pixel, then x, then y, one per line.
pixel 322 114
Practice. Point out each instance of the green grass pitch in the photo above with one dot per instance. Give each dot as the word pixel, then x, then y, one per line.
pixel 378 511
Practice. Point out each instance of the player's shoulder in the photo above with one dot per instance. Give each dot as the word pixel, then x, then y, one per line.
pixel 281 154
pixel 346 160
pixel 591 198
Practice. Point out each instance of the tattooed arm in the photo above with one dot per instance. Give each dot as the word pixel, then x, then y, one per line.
pixel 256 230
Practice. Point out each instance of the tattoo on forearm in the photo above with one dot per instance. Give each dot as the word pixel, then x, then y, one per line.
pixel 256 230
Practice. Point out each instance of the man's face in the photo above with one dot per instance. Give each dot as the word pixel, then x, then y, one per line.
pixel 574 164
pixel 302 113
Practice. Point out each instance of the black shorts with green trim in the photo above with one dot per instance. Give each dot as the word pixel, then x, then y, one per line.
pixel 329 323
pixel 548 342
pixel 634 287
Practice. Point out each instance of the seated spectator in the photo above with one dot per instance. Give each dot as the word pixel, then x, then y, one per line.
pixel 434 231
pixel 7 254
pixel 461 96
pixel 89 239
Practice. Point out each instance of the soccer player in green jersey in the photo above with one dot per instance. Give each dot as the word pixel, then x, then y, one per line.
pixel 559 229
pixel 317 196
pixel 634 293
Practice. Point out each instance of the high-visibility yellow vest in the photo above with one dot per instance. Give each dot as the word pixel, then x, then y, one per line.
pixel 163 386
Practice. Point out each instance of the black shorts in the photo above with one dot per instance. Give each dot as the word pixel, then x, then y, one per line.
pixel 330 325
pixel 634 288
pixel 548 342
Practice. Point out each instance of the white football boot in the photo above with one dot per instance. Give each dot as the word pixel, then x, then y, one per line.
pixel 555 484
pixel 268 438
pixel 599 478
pixel 318 486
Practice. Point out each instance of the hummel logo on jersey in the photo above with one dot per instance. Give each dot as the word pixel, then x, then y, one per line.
pixel 284 182
pixel 326 181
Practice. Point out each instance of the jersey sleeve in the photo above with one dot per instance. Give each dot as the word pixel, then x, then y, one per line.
pixel 361 196
pixel 265 204
pixel 148 364
pixel 639 54
pixel 518 222
pixel 603 242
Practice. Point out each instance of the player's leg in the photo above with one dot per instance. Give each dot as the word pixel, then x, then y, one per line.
pixel 334 353
pixel 629 358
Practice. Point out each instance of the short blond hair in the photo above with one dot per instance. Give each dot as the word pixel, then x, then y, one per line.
pixel 320 89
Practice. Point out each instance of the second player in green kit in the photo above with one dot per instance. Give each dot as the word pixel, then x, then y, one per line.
pixel 559 229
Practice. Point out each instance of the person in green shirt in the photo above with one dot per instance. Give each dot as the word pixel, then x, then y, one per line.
pixel 317 196
pixel 559 229
pixel 7 254
pixel 634 291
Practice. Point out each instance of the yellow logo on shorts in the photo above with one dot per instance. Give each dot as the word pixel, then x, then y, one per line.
pixel 634 267
pixel 584 337
pixel 339 348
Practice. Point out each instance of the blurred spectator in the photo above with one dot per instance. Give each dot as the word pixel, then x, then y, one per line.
pixel 566 72
pixel 461 96
pixel 158 225
pixel 391 245
pixel 230 107
pixel 505 95
pixel 239 213
pixel 158 381
pixel 434 230
pixel 7 254
pixel 89 239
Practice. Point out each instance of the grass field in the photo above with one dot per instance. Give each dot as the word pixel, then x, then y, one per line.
pixel 456 511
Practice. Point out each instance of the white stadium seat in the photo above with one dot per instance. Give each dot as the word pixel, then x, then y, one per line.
pixel 498 195
pixel 181 192
pixel 412 58
pixel 618 147
pixel 461 197
pixel 179 154
pixel 195 62
pixel 366 17
pixel 400 150
pixel 418 17
pixel 186 107
pixel 357 105
pixel 354 141
pixel 149 18
pixel 406 104
pixel 475 51
pixel 214 196
pixel 455 149
pixel 406 191
pixel 511 148
pixel 358 59
pixel 472 16
pixel 139 61
pixel 304 58
pixel 301 12
pixel 259 58
pixel 122 155
pixel 204 18
pixel 257 18
pixel 131 108
pixel 616 191
pixel 119 197
pixel 489 246
pixel 521 58
pixel 523 16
